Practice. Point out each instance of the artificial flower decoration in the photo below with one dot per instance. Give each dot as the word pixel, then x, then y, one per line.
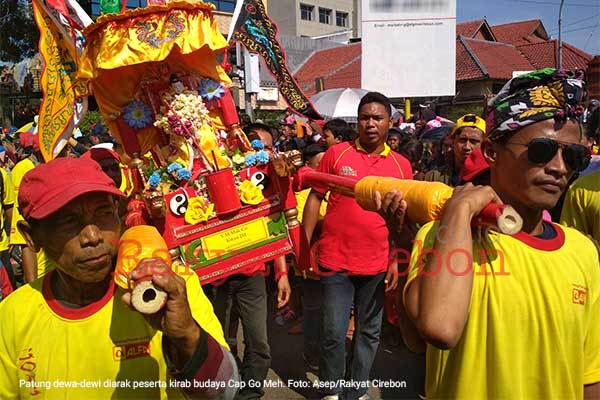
pixel 185 114
pixel 257 144
pixel 174 167
pixel 262 157
pixel 198 210
pixel 250 193
pixel 238 159
pixel 154 180
pixel 210 89
pixel 250 160
pixel 184 174
pixel 137 114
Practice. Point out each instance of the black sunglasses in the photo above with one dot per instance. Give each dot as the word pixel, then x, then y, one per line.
pixel 542 150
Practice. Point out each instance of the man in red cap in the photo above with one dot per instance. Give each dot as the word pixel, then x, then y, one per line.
pixel 75 325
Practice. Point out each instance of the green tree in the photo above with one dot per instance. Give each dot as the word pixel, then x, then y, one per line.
pixel 19 34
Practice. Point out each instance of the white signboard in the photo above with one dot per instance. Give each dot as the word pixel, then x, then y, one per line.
pixel 409 47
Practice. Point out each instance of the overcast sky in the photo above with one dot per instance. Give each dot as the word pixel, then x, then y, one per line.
pixel 581 18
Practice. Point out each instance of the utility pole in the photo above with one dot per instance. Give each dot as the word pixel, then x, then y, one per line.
pixel 560 14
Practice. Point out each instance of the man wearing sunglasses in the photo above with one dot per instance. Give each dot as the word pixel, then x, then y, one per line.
pixel 513 316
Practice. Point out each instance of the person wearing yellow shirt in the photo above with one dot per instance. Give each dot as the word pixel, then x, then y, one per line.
pixel 513 317
pixel 581 209
pixel 7 201
pixel 34 265
pixel 72 333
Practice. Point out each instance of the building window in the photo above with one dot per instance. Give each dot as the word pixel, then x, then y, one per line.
pixel 324 15
pixel 341 18
pixel 306 12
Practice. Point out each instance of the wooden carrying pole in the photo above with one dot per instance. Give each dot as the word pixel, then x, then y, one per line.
pixel 426 200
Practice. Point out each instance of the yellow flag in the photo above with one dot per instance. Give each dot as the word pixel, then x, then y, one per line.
pixel 64 95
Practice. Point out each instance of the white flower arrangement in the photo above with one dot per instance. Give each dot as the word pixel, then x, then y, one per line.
pixel 182 113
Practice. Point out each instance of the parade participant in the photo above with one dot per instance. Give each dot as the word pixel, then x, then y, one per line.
pixel 261 132
pixel 336 131
pixel 412 149
pixel 353 250
pixel 75 326
pixel 513 316
pixel 581 207
pixel 110 162
pixel 592 121
pixel 311 289
pixel 7 201
pixel 394 139
pixel 438 157
pixel 34 265
pixel 245 294
pixel 467 136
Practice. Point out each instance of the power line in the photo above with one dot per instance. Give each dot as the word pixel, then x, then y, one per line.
pixel 554 4
pixel 590 36
pixel 581 29
pixel 555 30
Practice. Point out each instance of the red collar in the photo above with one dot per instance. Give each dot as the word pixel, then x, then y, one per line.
pixel 74 313
pixel 543 244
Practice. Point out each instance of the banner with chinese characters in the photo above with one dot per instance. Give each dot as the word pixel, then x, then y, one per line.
pixel 258 33
pixel 64 102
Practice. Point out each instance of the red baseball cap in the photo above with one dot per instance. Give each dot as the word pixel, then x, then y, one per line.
pixel 28 139
pixel 49 187
pixel 474 166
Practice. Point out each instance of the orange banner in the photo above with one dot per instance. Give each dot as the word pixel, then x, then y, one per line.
pixel 62 92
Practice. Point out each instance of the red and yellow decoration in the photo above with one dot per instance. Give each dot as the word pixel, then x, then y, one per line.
pixel 60 86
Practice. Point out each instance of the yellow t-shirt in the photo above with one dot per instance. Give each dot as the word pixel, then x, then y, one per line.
pixel 8 199
pixel 532 330
pixel 18 172
pixel 581 209
pixel 301 198
pixel 103 344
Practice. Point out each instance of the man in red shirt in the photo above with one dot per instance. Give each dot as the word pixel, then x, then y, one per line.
pixel 354 250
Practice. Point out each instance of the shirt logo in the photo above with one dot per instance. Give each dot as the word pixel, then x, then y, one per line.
pixel 132 350
pixel 578 294
pixel 348 171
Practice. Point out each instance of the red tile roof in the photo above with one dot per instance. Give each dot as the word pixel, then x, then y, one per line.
pixel 498 59
pixel 348 76
pixel 466 67
pixel 520 32
pixel 475 59
pixel 338 66
pixel 545 54
pixel 469 29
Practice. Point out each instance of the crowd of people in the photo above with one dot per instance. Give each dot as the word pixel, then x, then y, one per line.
pixel 497 316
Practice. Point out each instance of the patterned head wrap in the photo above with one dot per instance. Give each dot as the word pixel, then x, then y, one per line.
pixel 533 97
